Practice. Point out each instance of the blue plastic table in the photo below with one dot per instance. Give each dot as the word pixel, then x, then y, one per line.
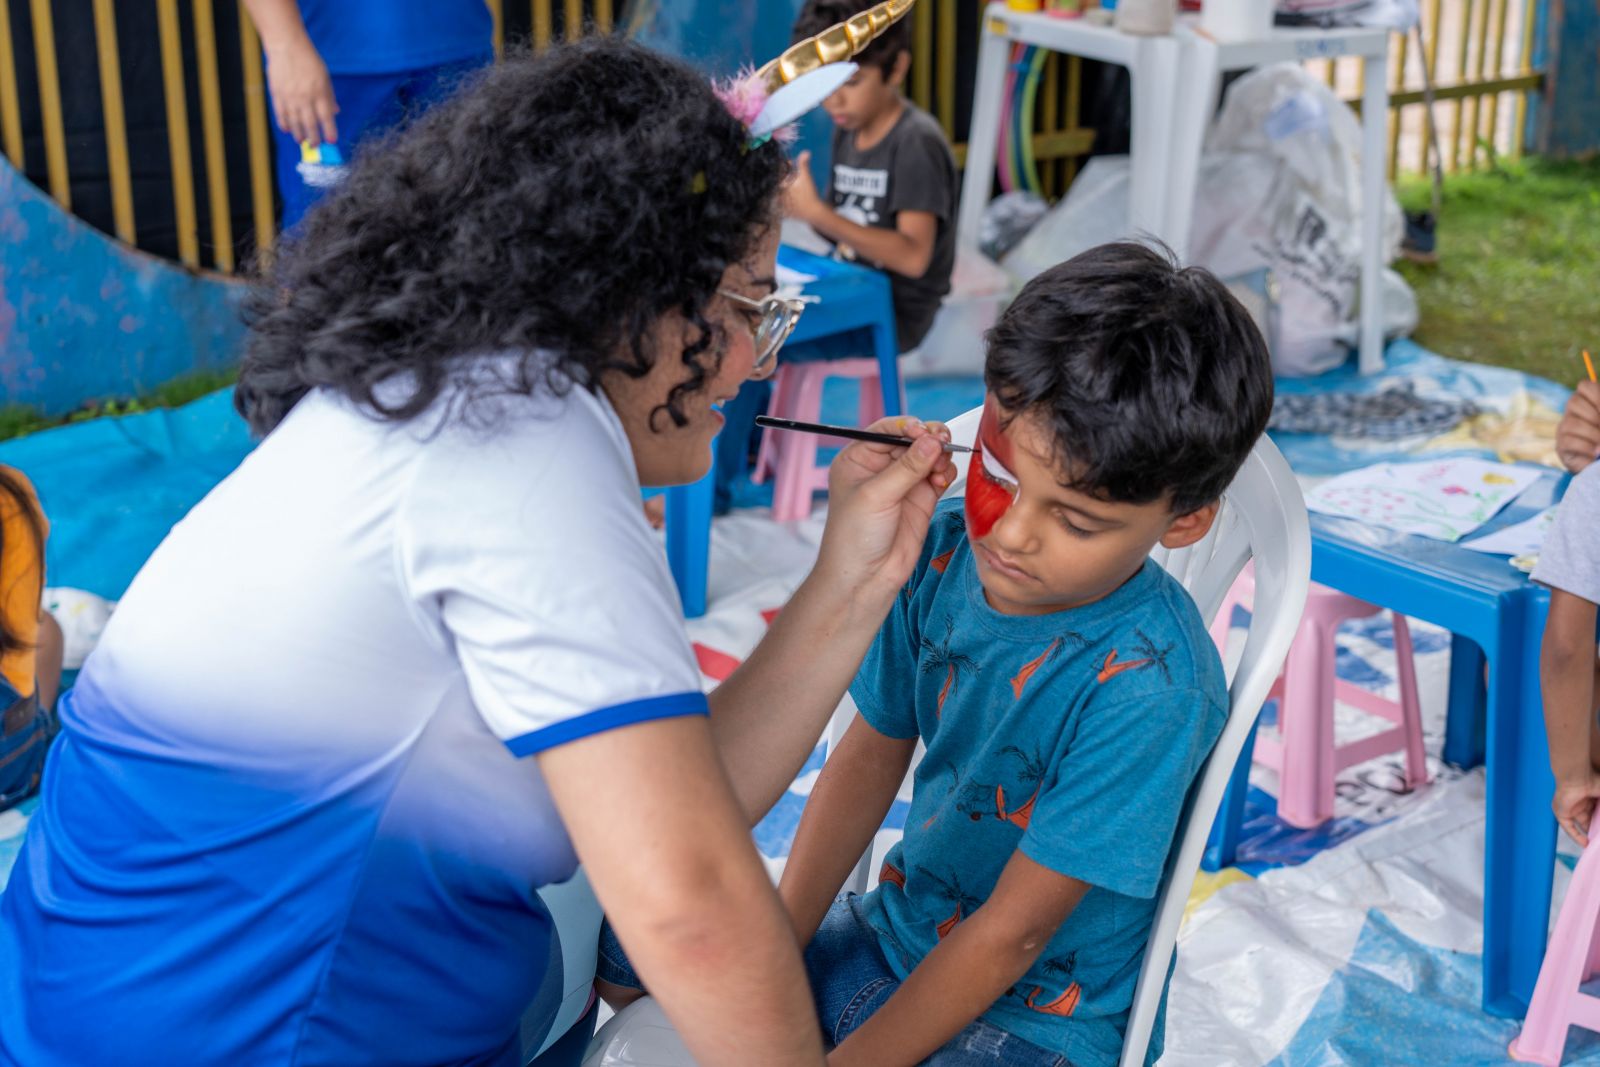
pixel 849 297
pixel 1492 611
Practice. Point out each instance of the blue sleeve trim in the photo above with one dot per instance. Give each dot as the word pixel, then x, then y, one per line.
pixel 603 719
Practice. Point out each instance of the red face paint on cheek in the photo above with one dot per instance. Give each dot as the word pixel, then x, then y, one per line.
pixel 987 498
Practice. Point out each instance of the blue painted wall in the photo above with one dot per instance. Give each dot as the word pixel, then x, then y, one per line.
pixel 84 316
pixel 1567 118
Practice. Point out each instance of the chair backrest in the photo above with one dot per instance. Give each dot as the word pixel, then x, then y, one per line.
pixel 1263 517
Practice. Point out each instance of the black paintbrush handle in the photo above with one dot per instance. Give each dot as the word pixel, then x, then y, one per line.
pixel 848 432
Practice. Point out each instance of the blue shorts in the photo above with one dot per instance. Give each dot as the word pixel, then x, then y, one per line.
pixel 850 979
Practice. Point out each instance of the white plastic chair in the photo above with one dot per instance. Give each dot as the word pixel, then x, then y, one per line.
pixel 1263 518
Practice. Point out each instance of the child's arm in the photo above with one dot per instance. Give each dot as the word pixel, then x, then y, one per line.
pixel 907 249
pixel 969 970
pixel 847 805
pixel 1567 674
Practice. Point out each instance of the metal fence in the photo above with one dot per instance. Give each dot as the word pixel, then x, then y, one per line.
pixel 221 210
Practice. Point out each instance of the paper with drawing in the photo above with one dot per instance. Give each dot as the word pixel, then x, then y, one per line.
pixel 1445 499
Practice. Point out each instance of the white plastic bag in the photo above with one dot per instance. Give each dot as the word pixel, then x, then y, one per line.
pixel 1279 190
pixel 1282 190
pixel 1094 211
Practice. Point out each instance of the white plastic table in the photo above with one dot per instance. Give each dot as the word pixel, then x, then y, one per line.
pixel 1152 64
pixel 1174 83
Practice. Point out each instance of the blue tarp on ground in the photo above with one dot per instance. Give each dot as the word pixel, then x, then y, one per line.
pixel 114 487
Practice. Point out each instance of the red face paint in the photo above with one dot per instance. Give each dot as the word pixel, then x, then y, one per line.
pixel 991 487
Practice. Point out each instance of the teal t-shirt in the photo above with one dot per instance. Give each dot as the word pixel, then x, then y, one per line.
pixel 1073 736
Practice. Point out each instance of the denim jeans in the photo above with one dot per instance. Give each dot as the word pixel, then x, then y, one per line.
pixel 850 979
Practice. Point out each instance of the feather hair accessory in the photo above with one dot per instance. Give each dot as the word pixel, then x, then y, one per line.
pixel 768 100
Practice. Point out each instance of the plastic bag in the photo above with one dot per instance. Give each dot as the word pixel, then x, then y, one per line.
pixel 1094 211
pixel 1279 190
pixel 1282 190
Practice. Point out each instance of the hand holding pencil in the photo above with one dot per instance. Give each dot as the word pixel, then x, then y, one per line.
pixel 1578 435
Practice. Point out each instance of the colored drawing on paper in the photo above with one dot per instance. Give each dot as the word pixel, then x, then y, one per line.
pixel 1446 499
pixel 1526 538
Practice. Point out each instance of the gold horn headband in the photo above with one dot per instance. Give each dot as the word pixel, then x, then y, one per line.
pixel 833 45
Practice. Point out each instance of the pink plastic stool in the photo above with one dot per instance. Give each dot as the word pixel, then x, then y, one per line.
pixel 1572 959
pixel 790 459
pixel 1307 758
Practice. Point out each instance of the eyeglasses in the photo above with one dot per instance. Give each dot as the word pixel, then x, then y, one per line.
pixel 777 318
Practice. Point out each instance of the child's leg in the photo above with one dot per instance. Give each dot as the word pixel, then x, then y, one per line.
pixel 850 979
pixel 615 980
pixel 47 661
pixel 983 1044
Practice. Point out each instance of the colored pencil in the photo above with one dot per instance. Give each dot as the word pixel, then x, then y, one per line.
pixel 1587 362
pixel 849 432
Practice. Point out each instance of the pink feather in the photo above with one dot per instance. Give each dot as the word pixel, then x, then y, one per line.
pixel 744 95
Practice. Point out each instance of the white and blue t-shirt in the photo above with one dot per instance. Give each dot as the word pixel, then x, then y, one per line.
pixel 1072 737
pixel 290 818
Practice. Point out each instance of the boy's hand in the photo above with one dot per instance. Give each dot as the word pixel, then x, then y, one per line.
pixel 1574 805
pixel 800 197
pixel 1578 435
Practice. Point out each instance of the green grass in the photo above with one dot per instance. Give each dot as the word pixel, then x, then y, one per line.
pixel 1518 278
pixel 16 421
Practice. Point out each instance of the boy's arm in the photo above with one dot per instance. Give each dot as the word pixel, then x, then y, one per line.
pixel 847 805
pixel 969 970
pixel 1567 675
pixel 907 249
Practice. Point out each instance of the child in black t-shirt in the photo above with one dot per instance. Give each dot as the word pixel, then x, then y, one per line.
pixel 891 196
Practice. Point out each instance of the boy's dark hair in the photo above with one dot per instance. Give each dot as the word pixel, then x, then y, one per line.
pixel 555 208
pixel 1150 378
pixel 818 15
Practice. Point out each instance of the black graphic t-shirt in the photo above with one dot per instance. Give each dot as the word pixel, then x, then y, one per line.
pixel 911 169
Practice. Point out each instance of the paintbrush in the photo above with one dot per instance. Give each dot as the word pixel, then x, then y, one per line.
pixel 849 432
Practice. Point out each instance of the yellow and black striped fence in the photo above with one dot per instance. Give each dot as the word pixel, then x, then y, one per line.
pixel 208 199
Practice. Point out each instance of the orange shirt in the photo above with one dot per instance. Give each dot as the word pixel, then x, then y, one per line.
pixel 21 569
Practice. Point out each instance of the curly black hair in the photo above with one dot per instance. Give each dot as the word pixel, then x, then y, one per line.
pixel 818 15
pixel 1150 378
pixel 555 208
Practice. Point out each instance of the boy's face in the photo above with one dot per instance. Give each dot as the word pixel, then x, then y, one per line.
pixel 1041 547
pixel 867 95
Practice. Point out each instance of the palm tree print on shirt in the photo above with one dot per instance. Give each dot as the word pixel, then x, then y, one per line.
pixel 965 903
pixel 958 523
pixel 953 663
pixel 1033 771
pixel 953 789
pixel 1020 679
pixel 892 875
pixel 1060 968
pixel 1145 648
pixel 978 800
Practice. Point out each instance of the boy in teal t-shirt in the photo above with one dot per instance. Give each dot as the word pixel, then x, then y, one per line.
pixel 1064 685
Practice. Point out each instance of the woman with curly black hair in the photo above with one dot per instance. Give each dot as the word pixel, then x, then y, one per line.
pixel 420 653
